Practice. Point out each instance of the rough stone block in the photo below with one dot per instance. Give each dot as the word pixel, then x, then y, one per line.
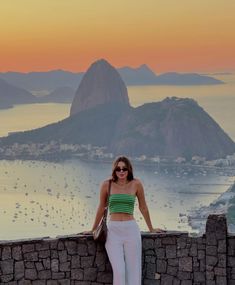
pixel 211 250
pixel 185 264
pixel 54 265
pixel 90 274
pixel 19 270
pixel 75 261
pixel 28 248
pixel 82 250
pixel 87 261
pixel 16 253
pixel 71 247
pixel 169 240
pixel 42 246
pixel 220 280
pixel 91 245
pixel 220 271
pixel 39 266
pixel 161 266
pixel 46 263
pixel 183 275
pixel 166 279
pixel 193 250
pixel 160 252
pixel 171 251
pixel 150 270
pixel 147 244
pixel 171 270
pixel 211 260
pixel 44 274
pixel 77 274
pixel 6 266
pixel 199 277
pixel 63 255
pixel 6 278
pixel 105 277
pixel 65 266
pixel 173 261
pixel 6 253
pixel 31 256
pixel 222 246
pixel 31 274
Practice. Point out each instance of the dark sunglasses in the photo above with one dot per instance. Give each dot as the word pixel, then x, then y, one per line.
pixel 119 169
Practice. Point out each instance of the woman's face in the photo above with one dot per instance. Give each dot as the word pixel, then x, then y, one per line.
pixel 121 170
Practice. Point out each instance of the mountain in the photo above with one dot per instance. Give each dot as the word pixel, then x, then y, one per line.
pixel 62 94
pixel 173 78
pixel 36 81
pixel 101 116
pixel 101 84
pixel 11 95
pixel 93 126
pixel 142 75
pixel 173 127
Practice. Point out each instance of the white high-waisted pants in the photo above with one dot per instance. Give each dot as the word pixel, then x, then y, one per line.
pixel 124 249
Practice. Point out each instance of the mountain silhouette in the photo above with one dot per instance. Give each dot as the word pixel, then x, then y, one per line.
pixel 11 95
pixel 142 75
pixel 100 85
pixel 62 94
pixel 101 116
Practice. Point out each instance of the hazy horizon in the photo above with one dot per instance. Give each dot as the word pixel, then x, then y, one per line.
pixel 181 36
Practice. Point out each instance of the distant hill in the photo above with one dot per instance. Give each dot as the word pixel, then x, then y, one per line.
pixel 173 78
pixel 51 80
pixel 63 94
pixel 143 75
pixel 11 95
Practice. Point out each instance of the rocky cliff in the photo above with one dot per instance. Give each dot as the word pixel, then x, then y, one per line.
pixel 100 85
pixel 173 127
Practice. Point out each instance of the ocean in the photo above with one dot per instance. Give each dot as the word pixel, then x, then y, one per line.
pixel 49 199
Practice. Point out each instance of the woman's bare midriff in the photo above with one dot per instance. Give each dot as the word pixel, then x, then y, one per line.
pixel 121 217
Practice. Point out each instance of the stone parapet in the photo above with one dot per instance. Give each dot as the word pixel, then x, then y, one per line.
pixel 172 258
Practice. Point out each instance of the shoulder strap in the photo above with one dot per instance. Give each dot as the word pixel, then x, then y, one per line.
pixel 107 202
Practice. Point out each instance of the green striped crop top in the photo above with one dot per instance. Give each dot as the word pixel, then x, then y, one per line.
pixel 121 203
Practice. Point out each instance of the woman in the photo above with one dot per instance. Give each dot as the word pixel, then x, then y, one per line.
pixel 123 243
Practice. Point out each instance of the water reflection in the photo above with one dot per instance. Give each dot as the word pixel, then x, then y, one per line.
pixel 49 199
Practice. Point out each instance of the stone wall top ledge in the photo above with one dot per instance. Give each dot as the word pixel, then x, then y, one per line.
pixel 87 237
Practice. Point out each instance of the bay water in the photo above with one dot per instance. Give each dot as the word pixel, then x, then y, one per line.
pixel 49 199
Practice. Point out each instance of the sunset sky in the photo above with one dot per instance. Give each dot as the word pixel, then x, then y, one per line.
pixel 167 35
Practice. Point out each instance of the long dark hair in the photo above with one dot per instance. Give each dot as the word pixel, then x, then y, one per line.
pixel 128 165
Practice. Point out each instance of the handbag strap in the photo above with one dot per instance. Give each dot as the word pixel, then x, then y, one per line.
pixel 107 203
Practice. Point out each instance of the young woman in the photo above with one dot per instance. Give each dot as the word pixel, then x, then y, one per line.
pixel 123 243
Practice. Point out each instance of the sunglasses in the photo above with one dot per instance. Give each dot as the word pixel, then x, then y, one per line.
pixel 119 169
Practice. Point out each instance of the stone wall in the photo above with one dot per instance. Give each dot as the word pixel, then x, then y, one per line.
pixel 172 258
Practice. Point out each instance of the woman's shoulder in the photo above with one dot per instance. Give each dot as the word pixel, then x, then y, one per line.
pixel 106 182
pixel 137 182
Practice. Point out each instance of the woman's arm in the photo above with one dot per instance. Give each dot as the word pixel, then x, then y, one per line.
pixel 144 208
pixel 102 204
pixel 143 205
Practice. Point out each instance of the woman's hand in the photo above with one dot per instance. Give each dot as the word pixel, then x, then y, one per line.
pixel 157 230
pixel 87 232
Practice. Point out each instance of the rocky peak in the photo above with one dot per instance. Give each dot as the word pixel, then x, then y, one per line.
pixel 101 84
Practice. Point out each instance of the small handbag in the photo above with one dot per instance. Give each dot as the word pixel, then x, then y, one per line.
pixel 100 233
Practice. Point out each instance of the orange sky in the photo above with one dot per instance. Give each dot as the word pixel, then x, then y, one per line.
pixel 168 35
